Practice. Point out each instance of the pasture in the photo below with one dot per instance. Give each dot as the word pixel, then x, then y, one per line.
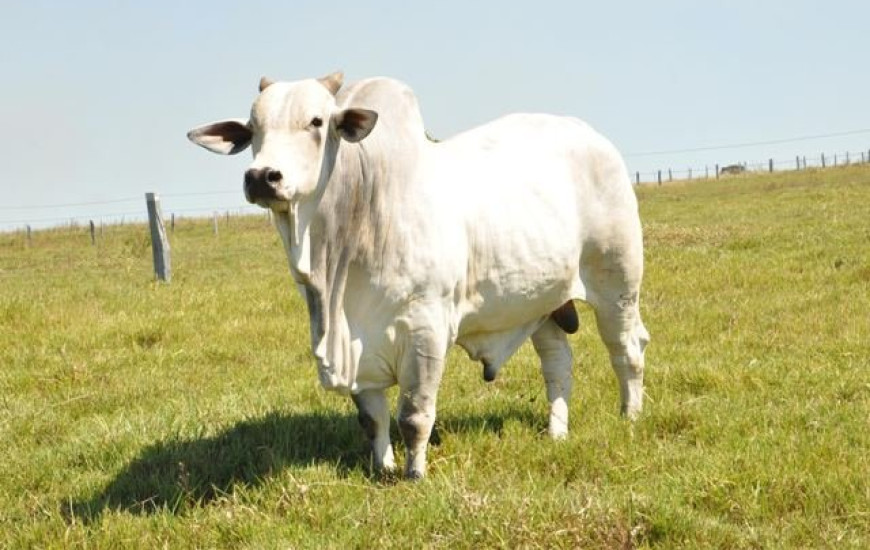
pixel 188 415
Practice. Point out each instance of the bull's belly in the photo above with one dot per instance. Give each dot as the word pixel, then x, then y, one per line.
pixel 505 303
pixel 494 326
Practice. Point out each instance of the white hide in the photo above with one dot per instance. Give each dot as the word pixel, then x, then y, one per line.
pixel 486 229
pixel 403 246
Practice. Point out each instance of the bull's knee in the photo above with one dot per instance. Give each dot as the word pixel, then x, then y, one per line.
pixel 414 427
pixel 368 424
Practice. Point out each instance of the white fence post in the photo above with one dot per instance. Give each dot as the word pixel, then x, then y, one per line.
pixel 159 242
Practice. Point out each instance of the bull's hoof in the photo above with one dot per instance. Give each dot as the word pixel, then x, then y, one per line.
pixel 414 475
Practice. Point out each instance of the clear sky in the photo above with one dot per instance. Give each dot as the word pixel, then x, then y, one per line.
pixel 97 96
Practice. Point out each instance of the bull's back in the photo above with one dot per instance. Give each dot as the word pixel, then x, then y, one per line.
pixel 536 193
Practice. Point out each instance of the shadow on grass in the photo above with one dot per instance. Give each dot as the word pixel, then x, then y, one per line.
pixel 493 421
pixel 177 474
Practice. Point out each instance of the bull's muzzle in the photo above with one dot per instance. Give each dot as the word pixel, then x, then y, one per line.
pixel 262 184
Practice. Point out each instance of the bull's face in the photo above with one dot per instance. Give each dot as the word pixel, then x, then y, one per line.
pixel 293 130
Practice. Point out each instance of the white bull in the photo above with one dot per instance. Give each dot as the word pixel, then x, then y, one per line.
pixel 403 247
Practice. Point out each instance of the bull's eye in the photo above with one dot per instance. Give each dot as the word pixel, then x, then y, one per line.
pixel 317 122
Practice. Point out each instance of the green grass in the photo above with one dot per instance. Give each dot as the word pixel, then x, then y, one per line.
pixel 137 414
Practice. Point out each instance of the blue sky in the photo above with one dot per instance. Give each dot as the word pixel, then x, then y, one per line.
pixel 98 96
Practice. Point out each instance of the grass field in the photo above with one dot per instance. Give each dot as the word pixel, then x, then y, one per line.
pixel 188 415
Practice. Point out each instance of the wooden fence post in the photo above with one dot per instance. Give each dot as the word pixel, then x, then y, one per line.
pixel 670 175
pixel 159 242
pixel 660 177
pixel 770 164
pixel 690 174
pixel 93 233
pixel 29 237
pixel 717 171
pixel 823 160
pixel 172 223
pixel 637 177
pixel 214 217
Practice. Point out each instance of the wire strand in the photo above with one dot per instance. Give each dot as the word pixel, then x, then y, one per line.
pixel 748 144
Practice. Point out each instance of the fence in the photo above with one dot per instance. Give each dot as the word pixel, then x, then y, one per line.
pixel 101 223
pixel 715 171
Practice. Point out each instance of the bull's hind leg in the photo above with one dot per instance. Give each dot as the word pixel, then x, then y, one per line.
pixel 552 347
pixel 374 417
pixel 623 333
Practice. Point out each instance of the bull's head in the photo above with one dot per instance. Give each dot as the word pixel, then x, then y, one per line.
pixel 293 128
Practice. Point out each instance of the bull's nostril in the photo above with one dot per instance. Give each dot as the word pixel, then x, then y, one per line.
pixel 250 178
pixel 273 176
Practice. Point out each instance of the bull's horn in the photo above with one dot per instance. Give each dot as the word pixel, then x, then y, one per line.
pixel 265 82
pixel 332 81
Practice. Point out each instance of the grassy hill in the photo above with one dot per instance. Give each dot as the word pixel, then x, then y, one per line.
pixel 137 414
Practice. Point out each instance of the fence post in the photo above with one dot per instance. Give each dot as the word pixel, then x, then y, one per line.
pixel 214 217
pixel 706 172
pixel 660 177
pixel 717 171
pixel 93 233
pixel 770 164
pixel 29 237
pixel 172 223
pixel 670 175
pixel 823 160
pixel 690 174
pixel 847 158
pixel 797 163
pixel 637 177
pixel 159 242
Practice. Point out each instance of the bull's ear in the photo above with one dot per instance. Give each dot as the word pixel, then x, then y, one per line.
pixel 332 81
pixel 226 137
pixel 355 124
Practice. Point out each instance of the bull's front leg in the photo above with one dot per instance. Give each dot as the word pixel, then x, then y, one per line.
pixel 419 380
pixel 374 417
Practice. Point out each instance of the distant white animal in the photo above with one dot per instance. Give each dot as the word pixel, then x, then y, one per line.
pixel 402 246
